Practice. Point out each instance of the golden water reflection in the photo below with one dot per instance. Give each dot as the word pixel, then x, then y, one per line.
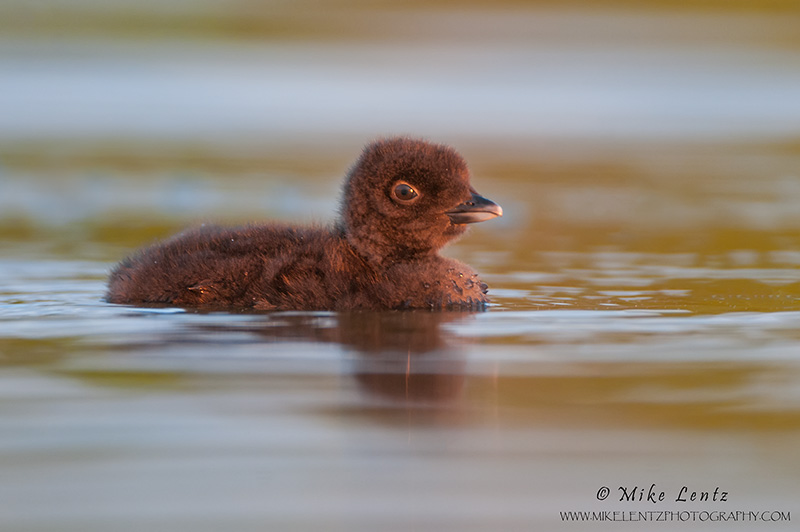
pixel 512 369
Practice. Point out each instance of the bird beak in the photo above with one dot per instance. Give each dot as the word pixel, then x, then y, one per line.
pixel 477 209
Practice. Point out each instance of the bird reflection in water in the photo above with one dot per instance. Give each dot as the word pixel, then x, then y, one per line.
pixel 406 356
pixel 400 356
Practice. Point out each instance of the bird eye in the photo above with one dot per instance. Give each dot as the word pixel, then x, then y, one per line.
pixel 404 193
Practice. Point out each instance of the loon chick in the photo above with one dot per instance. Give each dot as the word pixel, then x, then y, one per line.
pixel 403 200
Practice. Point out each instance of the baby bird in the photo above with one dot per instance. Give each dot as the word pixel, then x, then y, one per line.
pixel 403 200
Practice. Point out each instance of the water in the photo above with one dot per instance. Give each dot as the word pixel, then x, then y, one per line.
pixel 120 418
pixel 645 325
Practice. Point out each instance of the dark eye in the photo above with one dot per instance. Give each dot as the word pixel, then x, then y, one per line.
pixel 404 193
